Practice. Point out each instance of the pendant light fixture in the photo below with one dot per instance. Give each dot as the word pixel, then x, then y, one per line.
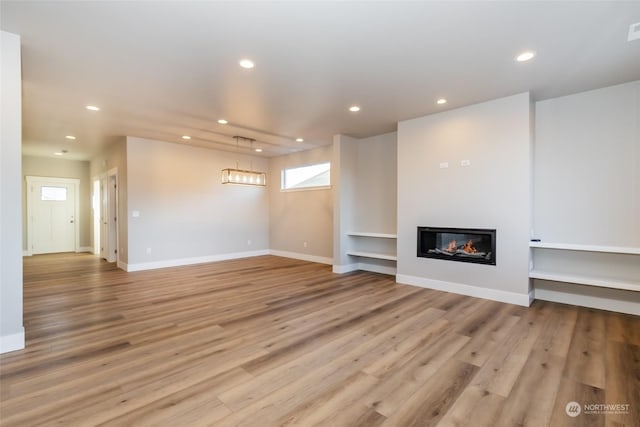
pixel 241 176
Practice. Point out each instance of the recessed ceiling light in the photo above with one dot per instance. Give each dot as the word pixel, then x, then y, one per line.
pixel 354 108
pixel 58 153
pixel 247 63
pixel 525 56
pixel 92 108
pixel 70 137
pixel 441 101
pixel 299 139
pixel 258 150
pixel 222 121
pixel 186 137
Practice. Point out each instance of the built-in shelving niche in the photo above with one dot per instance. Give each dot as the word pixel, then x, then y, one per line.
pixel 592 265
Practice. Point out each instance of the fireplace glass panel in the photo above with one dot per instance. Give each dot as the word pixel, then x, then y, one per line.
pixel 458 244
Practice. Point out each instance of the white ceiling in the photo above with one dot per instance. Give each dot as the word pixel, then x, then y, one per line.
pixel 161 70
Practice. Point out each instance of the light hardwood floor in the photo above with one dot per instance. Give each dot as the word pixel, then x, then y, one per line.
pixel 274 341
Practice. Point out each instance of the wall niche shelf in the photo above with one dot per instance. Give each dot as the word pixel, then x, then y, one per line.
pixel 585 280
pixel 586 248
pixel 374 245
pixel 371 234
pixel 374 255
pixel 614 267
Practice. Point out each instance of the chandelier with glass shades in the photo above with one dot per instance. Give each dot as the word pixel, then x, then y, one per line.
pixel 241 176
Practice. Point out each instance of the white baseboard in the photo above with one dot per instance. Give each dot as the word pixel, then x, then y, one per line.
pixel 85 249
pixel 472 291
pixel 304 257
pixel 189 261
pixel 26 253
pixel 588 296
pixel 345 268
pixel 12 342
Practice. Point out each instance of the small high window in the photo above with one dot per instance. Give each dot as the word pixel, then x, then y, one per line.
pixel 306 177
pixel 56 194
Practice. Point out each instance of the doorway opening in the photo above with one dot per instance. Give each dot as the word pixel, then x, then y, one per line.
pixel 105 215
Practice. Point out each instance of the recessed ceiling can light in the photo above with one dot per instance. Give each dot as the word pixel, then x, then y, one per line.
pixel 441 101
pixel 258 150
pixel 354 108
pixel 186 137
pixel 58 153
pixel 525 56
pixel 299 139
pixel 222 121
pixel 92 108
pixel 70 137
pixel 247 63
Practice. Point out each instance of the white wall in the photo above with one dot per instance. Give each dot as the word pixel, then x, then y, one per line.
pixel 587 167
pixel 365 190
pixel 587 192
pixel 11 327
pixel 343 170
pixel 186 214
pixel 376 184
pixel 61 168
pixel 296 217
pixel 115 158
pixel 493 192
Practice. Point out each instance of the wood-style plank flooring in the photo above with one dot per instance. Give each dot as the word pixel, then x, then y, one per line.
pixel 271 341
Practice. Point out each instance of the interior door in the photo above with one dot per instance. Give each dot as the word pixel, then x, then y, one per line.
pixel 53 217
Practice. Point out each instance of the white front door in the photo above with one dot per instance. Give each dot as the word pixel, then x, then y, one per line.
pixel 52 215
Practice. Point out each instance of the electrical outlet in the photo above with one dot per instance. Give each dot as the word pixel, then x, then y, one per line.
pixel 304 244
pixel 249 242
pixel 148 251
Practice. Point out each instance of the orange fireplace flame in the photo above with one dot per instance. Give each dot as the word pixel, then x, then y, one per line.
pixel 452 246
pixel 468 248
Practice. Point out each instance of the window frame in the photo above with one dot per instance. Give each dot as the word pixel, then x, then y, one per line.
pixel 309 188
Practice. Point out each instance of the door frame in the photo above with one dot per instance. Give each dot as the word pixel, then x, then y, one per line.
pixel 47 179
pixel 113 222
pixel 110 202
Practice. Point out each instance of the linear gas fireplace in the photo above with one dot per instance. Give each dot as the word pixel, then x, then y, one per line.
pixel 458 244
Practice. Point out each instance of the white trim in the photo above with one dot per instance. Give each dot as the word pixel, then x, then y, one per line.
pixel 30 180
pixel 26 253
pixel 85 249
pixel 592 301
pixel 189 261
pixel 122 265
pixel 12 342
pixel 472 291
pixel 345 268
pixel 293 190
pixel 304 257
